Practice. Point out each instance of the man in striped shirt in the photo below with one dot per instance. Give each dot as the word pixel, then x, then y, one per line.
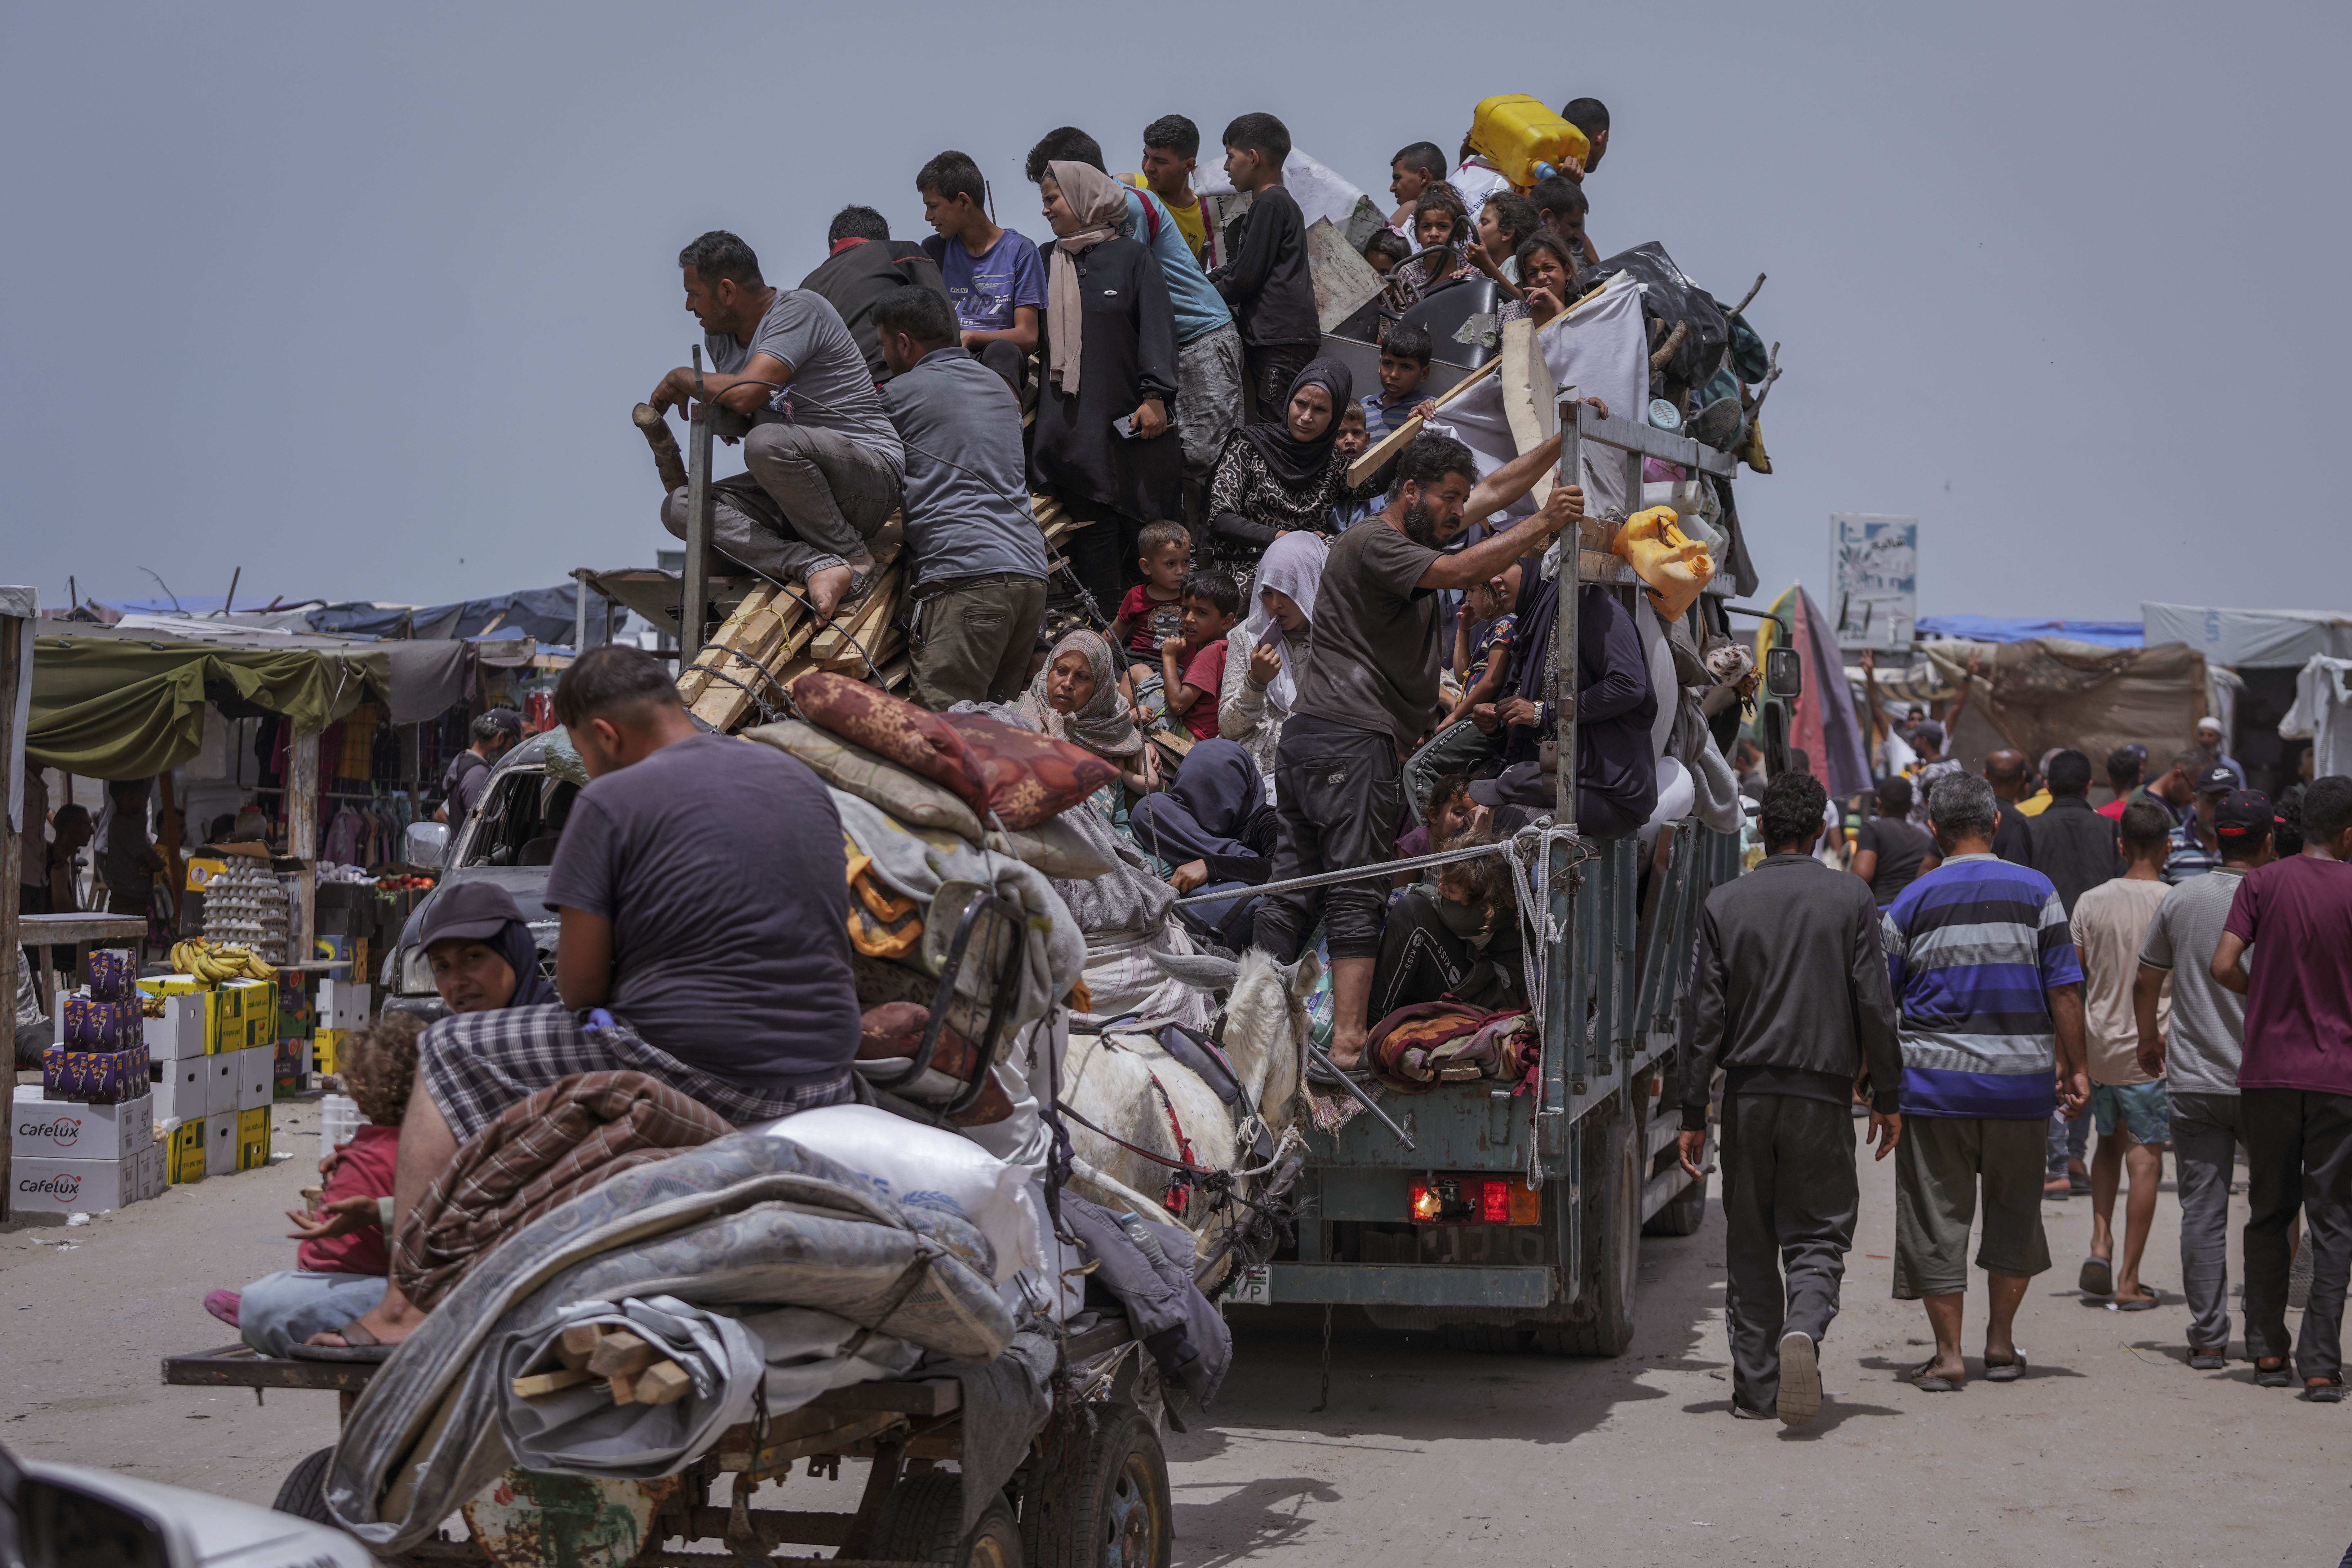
pixel 1989 993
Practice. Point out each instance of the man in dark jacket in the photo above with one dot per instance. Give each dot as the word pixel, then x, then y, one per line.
pixel 2072 845
pixel 865 267
pixel 1789 997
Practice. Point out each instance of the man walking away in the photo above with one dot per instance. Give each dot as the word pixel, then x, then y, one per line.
pixel 1790 1000
pixel 2197 1055
pixel 1368 692
pixel 2068 843
pixel 494 734
pixel 2135 1119
pixel 2124 765
pixel 1890 854
pixel 2005 770
pixel 2295 1086
pixel 1989 994
pixel 978 559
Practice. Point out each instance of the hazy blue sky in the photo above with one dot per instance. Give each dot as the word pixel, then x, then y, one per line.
pixel 360 299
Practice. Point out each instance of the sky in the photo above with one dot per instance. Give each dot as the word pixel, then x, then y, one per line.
pixel 357 300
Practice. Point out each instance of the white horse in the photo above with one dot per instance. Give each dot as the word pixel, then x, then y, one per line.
pixel 1118 1082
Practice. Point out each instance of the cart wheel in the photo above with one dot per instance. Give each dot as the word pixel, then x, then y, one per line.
pixel 304 1493
pixel 924 1524
pixel 1108 1507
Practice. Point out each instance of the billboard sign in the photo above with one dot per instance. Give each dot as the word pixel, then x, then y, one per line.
pixel 1874 568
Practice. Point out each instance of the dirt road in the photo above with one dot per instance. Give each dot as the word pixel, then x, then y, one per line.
pixel 2111 1452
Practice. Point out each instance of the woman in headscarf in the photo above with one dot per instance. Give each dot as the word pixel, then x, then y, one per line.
pixel 1215 829
pixel 1285 475
pixel 1109 345
pixel 1077 698
pixel 1266 654
pixel 481 951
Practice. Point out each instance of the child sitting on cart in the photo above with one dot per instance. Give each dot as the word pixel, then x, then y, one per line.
pixel 340 1268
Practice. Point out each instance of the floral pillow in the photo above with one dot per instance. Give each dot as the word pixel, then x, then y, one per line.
pixel 892 729
pixel 1027 777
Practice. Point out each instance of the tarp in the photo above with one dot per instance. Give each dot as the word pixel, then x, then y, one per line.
pixel 545 613
pixel 2052 692
pixel 113 704
pixel 2278 639
pixel 2010 629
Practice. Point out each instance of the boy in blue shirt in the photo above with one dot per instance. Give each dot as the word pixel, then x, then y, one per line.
pixel 1404 369
pixel 994 277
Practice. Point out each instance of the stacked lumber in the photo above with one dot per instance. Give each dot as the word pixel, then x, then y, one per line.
pixel 770 639
pixel 633 1371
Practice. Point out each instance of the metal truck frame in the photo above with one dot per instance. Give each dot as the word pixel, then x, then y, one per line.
pixel 1594 1144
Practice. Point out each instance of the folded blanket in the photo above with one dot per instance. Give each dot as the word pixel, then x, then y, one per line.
pixel 540 1152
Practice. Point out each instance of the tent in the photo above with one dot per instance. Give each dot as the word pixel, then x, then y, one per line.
pixel 2277 639
pixel 2010 629
pixel 119 702
pixel 2051 692
pixel 545 614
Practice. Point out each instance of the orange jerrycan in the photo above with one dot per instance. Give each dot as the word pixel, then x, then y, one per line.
pixel 1523 138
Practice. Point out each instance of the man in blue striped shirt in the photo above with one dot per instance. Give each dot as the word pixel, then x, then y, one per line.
pixel 1989 993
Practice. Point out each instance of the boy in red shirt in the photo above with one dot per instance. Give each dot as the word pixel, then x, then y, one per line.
pixel 1193 667
pixel 1153 610
pixel 340 1268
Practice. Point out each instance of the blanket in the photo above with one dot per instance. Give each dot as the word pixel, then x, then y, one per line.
pixel 537 1153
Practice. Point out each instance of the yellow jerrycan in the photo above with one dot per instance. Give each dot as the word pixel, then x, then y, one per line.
pixel 1523 138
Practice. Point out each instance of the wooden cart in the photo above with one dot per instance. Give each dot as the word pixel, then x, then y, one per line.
pixel 1092 1492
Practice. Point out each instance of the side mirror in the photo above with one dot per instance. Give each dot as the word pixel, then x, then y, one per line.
pixel 428 842
pixel 59 1525
pixel 1784 674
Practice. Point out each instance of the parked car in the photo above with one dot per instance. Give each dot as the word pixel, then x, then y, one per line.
pixel 67 1516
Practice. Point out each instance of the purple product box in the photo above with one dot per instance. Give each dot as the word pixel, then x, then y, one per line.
pixel 94 1077
pixel 92 1024
pixel 114 976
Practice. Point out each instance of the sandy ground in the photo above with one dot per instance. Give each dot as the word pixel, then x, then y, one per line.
pixel 2112 1451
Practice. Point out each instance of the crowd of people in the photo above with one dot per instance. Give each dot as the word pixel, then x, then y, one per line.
pixel 1995 968
pixel 1288 659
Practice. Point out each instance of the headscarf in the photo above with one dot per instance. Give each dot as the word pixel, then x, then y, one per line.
pixel 1296 463
pixel 514 944
pixel 1204 808
pixel 1103 726
pixel 1099 203
pixel 1294 565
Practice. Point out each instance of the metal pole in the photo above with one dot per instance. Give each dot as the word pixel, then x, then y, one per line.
pixel 694 591
pixel 580 615
pixel 1563 1020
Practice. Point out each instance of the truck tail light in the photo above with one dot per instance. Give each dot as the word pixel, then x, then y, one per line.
pixel 1474 1200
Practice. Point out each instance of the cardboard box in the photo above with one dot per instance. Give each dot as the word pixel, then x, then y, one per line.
pixel 297 1017
pixel 220 1144
pixel 171 985
pixel 184 1030
pixel 94 1077
pixel 253 1139
pixel 220 1084
pixel 41 1130
pixel 87 1024
pixel 326 1049
pixel 150 1172
pixel 178 1088
pixel 112 971
pixel 254 1066
pixel 184 1152
pixel 68 1187
pixel 342 1005
pixel 290 1068
pixel 256 1009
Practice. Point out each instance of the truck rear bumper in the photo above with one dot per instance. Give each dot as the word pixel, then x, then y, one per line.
pixel 1409 1285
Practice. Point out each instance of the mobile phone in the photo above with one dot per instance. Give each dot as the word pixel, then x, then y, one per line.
pixel 1125 426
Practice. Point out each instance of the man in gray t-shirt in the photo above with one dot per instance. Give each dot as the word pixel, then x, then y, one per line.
pixel 2200 1061
pixel 822 463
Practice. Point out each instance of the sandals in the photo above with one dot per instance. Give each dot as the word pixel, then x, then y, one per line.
pixel 2097 1278
pixel 2009 1371
pixel 1800 1379
pixel 2331 1392
pixel 2273 1376
pixel 1922 1377
pixel 2142 1305
pixel 358 1345
pixel 2205 1361
pixel 222 1304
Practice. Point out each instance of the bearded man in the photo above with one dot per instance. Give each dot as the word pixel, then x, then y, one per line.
pixel 1368 694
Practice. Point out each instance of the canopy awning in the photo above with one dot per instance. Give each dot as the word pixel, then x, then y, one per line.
pixel 2012 628
pixel 123 703
pixel 2276 639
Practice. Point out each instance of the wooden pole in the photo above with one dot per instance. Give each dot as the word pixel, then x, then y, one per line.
pixel 302 841
pixel 11 867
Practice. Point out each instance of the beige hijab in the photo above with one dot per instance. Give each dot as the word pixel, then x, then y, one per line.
pixel 1098 202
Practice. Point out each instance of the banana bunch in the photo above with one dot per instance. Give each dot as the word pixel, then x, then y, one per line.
pixel 214 965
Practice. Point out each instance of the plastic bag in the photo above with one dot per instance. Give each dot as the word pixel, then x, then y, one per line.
pixel 1669 295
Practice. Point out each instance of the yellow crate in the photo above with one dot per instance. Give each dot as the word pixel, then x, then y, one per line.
pixel 253 1139
pixel 326 1047
pixel 184 1152
pixel 172 985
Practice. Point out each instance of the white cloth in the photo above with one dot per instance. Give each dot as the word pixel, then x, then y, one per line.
pixel 1476 182
pixel 1293 565
pixel 2323 714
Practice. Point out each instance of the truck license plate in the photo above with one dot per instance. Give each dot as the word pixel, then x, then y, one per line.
pixel 1255 1289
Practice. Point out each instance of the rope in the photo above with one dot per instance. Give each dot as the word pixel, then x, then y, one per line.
pixel 1382 868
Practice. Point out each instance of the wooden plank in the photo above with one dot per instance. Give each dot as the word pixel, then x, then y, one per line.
pixel 828 1438
pixel 622 1354
pixel 736 632
pixel 539 1384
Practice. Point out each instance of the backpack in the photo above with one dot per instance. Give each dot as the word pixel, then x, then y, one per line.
pixel 461 768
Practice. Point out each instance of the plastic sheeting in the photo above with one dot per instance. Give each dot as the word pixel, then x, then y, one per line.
pixel 2278 639
pixel 2011 628
pixel 545 613
pixel 2050 693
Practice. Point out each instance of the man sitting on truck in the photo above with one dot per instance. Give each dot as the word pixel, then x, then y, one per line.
pixel 823 462
pixel 705 938
pixel 1789 997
